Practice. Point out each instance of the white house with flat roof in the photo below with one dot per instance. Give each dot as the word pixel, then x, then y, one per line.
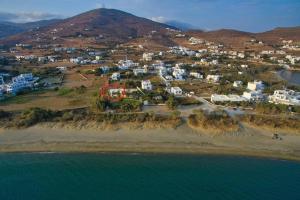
pixel 286 97
pixel 146 85
pixel 237 84
pixel 177 91
pixel 196 75
pixel 256 86
pixel 213 78
pixel 139 71
pixel 21 82
pixel 115 76
pixel 227 98
pixel 254 96
pixel 148 57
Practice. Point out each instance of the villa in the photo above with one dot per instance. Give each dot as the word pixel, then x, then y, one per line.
pixel 254 96
pixel 286 97
pixel 177 91
pixel 256 86
pixel 148 57
pixel 21 82
pixel 115 76
pixel 146 85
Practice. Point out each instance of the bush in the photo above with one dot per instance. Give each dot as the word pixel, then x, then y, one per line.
pixel 3 114
pixel 172 103
pixel 64 91
pixel 80 90
pixel 35 115
pixel 217 120
pixel 101 104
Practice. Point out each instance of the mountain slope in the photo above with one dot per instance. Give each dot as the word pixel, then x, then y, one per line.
pixel 110 24
pixel 228 37
pixel 278 34
pixel 8 28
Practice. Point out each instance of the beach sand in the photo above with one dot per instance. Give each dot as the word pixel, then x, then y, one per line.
pixel 249 141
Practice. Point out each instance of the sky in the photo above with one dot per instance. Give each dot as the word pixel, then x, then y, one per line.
pixel 244 15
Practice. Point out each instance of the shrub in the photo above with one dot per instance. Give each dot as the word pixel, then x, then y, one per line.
pixel 35 115
pixel 3 114
pixel 64 91
pixel 217 120
pixel 172 102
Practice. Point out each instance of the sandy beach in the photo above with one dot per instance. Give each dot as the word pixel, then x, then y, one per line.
pixel 250 141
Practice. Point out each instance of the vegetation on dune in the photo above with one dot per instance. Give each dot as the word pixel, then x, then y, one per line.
pixel 35 116
pixel 172 103
pixel 4 114
pixel 273 122
pixel 215 121
pixel 274 109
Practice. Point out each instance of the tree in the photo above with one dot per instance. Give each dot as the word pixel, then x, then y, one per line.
pixel 172 103
pixel 101 104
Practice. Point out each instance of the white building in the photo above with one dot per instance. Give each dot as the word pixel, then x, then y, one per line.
pixel 213 78
pixel 146 85
pixel 256 86
pixel 21 82
pixel 179 73
pixel 196 75
pixel 286 97
pixel 227 98
pixel 148 57
pixel 116 76
pixel 177 91
pixel 139 71
pixel 237 84
pixel 254 96
pixel 126 64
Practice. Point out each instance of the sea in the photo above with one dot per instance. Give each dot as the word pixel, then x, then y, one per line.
pixel 292 77
pixel 99 176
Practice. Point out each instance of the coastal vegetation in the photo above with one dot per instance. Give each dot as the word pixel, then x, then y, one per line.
pixel 217 121
pixel 34 116
pixel 271 122
pixel 268 108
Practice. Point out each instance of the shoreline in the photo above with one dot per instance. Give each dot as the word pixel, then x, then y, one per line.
pixel 183 140
pixel 151 150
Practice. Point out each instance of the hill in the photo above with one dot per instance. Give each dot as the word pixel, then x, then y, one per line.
pixel 9 28
pixel 103 24
pixel 288 33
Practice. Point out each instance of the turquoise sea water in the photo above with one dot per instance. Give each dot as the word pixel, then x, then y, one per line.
pixel 143 177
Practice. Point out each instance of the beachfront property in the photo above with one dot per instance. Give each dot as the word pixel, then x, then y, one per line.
pixel 146 85
pixel 176 91
pixel 20 83
pixel 215 98
pixel 286 97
